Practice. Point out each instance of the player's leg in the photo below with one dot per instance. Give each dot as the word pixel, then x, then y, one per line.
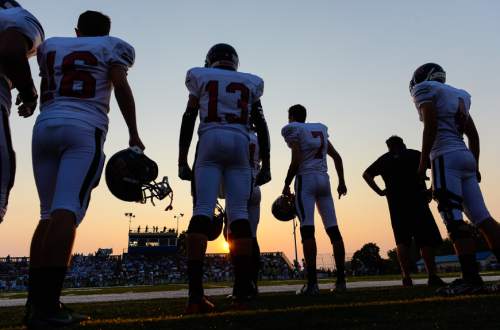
pixel 80 168
pixel 447 182
pixel 427 238
pixel 254 217
pixel 476 210
pixel 326 210
pixel 7 162
pixel 238 184
pixel 206 183
pixel 404 257
pixel 305 195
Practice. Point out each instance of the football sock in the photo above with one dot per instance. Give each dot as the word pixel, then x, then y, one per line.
pixel 256 260
pixel 195 278
pixel 470 269
pixel 242 266
pixel 53 280
pixel 312 277
pixel 34 286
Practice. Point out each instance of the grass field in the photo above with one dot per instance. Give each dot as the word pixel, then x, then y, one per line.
pixel 173 287
pixel 381 308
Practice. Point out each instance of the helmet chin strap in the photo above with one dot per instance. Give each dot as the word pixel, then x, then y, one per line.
pixel 158 190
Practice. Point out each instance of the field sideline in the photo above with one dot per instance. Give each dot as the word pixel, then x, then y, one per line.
pixel 380 308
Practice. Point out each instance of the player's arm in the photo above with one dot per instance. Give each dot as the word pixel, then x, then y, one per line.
pixel 339 167
pixel 294 166
pixel 260 124
pixel 126 103
pixel 186 135
pixel 429 117
pixel 470 131
pixel 14 64
pixel 370 180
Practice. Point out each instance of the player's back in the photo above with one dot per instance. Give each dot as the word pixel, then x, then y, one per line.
pixel 225 97
pixel 313 141
pixel 75 76
pixel 452 111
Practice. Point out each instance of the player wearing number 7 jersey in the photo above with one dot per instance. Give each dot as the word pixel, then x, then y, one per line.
pixel 228 102
pixel 310 146
pixel 78 75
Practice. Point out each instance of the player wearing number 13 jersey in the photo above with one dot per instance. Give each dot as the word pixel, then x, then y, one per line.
pixel 78 75
pixel 444 111
pixel 310 146
pixel 228 103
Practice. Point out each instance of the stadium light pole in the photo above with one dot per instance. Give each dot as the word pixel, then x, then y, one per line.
pixel 295 242
pixel 130 215
pixel 177 217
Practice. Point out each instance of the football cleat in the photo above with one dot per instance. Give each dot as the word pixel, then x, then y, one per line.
pixel 461 287
pixel 203 307
pixel 64 316
pixel 222 55
pixel 283 208
pixel 130 176
pixel 426 72
pixel 308 290
pixel 435 281
pixel 340 286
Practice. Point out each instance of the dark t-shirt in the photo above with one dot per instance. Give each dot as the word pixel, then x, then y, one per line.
pixel 399 172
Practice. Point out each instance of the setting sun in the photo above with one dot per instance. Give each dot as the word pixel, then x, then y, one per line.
pixel 225 247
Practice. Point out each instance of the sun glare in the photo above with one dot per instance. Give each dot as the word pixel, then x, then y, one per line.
pixel 225 246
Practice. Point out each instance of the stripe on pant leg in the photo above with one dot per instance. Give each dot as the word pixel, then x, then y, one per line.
pixel 299 198
pixel 10 154
pixel 94 166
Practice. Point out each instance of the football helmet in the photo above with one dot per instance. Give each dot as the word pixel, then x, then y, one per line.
pixel 222 55
pixel 283 208
pixel 130 176
pixel 428 71
pixel 6 4
pixel 218 221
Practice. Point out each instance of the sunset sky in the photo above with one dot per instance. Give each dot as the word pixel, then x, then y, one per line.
pixel 349 63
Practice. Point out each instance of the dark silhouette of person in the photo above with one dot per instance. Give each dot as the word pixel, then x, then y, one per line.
pixel 408 199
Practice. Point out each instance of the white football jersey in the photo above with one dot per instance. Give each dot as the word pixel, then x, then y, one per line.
pixel 254 153
pixel 313 141
pixel 23 21
pixel 75 77
pixel 225 97
pixel 452 110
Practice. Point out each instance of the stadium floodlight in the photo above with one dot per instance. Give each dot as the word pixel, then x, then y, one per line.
pixel 130 215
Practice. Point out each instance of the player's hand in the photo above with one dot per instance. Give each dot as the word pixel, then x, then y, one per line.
pixel 342 189
pixel 26 107
pixel 428 195
pixel 135 141
pixel 185 172
pixel 286 191
pixel 421 173
pixel 263 177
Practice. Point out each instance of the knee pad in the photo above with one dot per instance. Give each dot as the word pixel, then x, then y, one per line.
pixel 240 229
pixel 458 229
pixel 447 202
pixel 307 232
pixel 199 224
pixel 334 234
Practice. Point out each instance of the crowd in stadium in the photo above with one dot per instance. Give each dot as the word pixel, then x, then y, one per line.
pixel 114 270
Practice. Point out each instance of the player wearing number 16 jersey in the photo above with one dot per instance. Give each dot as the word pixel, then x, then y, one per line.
pixel 78 75
pixel 228 102
pixel 310 146
pixel 444 111
pixel 20 35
